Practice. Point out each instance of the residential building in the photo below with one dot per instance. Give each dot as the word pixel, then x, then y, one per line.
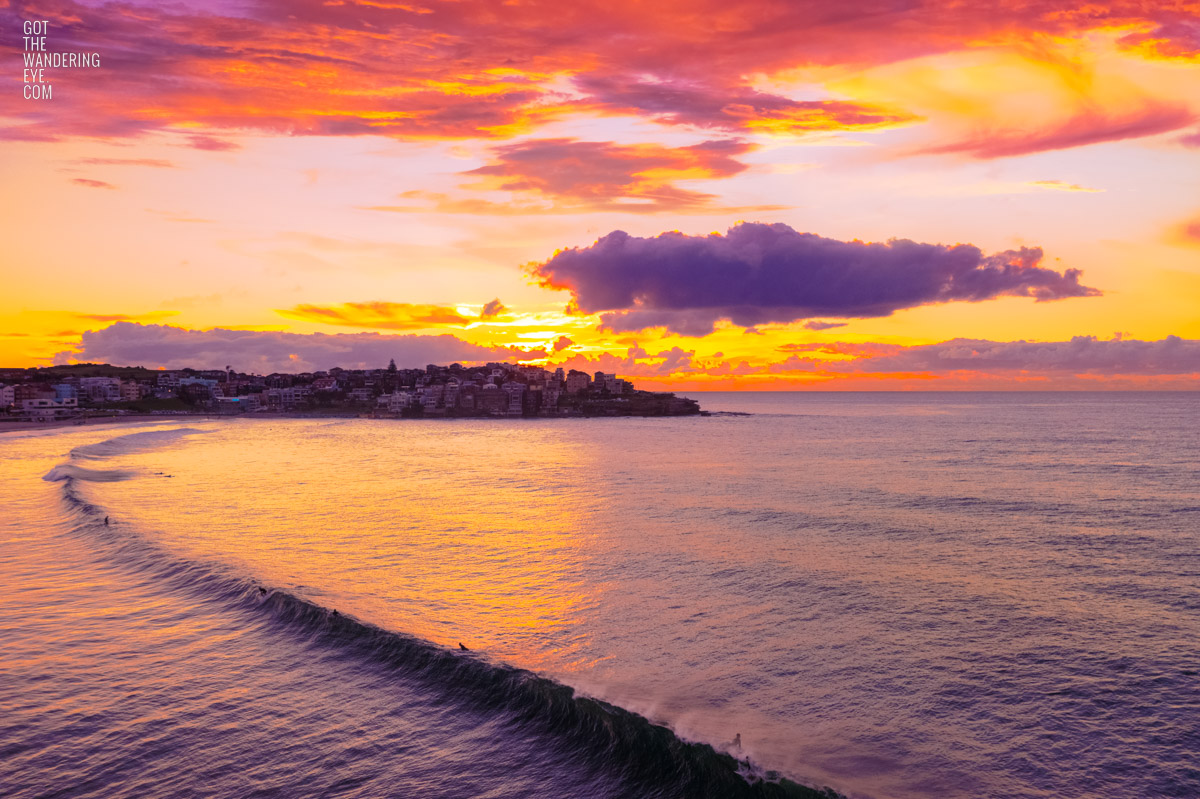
pixel 27 391
pixel 47 409
pixel 131 391
pixel 492 400
pixel 577 381
pixel 294 395
pixel 516 395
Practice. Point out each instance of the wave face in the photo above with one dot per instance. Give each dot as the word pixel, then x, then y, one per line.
pixel 897 596
pixel 69 471
pixel 131 443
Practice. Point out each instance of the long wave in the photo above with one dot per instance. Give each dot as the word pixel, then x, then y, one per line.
pixel 649 757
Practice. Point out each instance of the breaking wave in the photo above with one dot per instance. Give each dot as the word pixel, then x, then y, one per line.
pixel 133 442
pixel 648 756
pixel 69 471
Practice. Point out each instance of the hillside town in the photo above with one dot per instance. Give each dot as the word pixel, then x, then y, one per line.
pixel 58 393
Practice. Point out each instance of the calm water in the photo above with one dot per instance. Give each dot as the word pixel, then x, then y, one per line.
pixel 949 595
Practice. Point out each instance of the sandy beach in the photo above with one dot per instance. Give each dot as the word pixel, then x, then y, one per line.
pixel 8 426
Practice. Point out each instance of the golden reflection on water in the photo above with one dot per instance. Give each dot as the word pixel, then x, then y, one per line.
pixel 395 534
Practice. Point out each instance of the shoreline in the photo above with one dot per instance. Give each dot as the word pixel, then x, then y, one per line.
pixel 95 421
pixel 143 418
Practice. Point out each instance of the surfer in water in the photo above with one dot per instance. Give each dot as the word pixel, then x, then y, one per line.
pixel 106 521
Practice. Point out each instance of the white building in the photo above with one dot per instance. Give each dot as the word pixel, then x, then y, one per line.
pixel 47 410
pixel 398 401
pixel 209 385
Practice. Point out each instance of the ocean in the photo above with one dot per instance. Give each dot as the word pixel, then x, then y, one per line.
pixel 892 595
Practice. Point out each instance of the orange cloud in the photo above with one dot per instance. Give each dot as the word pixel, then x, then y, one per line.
pixel 120 317
pixel 709 105
pixel 378 315
pixel 1020 92
pixel 492 69
pixel 845 349
pixel 1059 185
pixel 1176 37
pixel 609 176
pixel 1187 232
pixel 564 176
pixel 1088 127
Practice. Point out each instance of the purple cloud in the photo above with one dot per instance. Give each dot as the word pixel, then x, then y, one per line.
pixel 758 274
pixel 212 144
pixel 92 184
pixel 154 346
pixel 493 308
pixel 1081 355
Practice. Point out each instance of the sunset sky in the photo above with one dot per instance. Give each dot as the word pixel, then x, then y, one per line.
pixel 754 195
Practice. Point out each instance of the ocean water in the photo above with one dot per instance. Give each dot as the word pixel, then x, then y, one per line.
pixel 894 595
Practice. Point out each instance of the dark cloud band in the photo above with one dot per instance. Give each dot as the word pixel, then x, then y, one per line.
pixel 266 351
pixel 1080 355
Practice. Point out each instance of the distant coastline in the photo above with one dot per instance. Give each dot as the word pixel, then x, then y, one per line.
pixel 14 424
pixel 64 394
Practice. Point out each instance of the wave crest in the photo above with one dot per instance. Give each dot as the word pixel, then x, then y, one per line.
pixel 69 471
pixel 133 442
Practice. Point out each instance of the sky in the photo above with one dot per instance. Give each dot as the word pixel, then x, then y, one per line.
pixel 765 194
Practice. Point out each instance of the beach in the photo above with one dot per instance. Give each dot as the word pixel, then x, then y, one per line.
pixel 15 426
